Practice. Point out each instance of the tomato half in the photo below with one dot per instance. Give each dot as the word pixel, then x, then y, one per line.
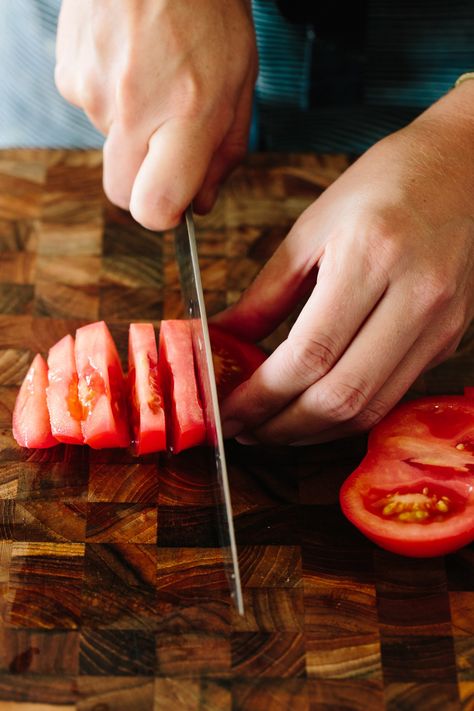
pixel 145 395
pixel 31 427
pixel 185 419
pixel 413 493
pixel 234 360
pixel 65 409
pixel 101 388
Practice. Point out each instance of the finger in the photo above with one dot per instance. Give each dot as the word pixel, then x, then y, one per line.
pixel 172 172
pixel 285 279
pixel 229 154
pixel 124 152
pixel 368 363
pixel 426 349
pixel 324 329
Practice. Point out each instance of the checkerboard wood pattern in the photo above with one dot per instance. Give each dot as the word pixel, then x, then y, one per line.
pixel 112 590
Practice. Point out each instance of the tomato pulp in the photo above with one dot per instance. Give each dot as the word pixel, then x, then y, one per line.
pixel 186 427
pixel 31 426
pixel 413 493
pixel 64 407
pixel 234 360
pixel 101 388
pixel 146 403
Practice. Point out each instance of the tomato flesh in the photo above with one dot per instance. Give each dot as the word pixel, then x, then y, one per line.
pixel 101 388
pixel 185 418
pixel 65 408
pixel 413 493
pixel 31 426
pixel 145 393
pixel 234 360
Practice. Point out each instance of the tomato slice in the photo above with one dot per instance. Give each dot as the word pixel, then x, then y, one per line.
pixel 31 427
pixel 413 493
pixel 144 387
pixel 234 360
pixel 65 409
pixel 185 425
pixel 101 388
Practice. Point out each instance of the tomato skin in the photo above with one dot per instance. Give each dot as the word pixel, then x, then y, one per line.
pixel 185 418
pixel 64 407
pixel 31 427
pixel 234 359
pixel 145 392
pixel 101 388
pixel 424 451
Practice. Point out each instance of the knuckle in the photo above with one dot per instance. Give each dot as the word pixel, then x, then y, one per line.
pixel 455 326
pixel 312 357
pixel 370 416
pixel 384 248
pixel 433 291
pixel 343 402
pixel 127 96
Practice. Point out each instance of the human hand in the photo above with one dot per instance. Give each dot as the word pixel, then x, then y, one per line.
pixel 391 244
pixel 170 83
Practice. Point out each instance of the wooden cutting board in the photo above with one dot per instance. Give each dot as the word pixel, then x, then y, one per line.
pixel 112 593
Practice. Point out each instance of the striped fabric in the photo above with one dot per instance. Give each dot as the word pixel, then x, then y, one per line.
pixel 32 113
pixel 414 51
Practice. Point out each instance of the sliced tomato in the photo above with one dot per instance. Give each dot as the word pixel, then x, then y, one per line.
pixel 31 427
pixel 234 360
pixel 145 394
pixel 101 388
pixel 186 426
pixel 65 409
pixel 413 493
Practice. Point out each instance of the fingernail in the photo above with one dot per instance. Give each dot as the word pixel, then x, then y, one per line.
pixel 246 439
pixel 231 427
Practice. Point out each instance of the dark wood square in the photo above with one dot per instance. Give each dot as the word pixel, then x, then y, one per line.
pixel 45 583
pixel 181 569
pixel 268 654
pixel 270 610
pixel 117 653
pixel 189 526
pixel 123 483
pixel 193 654
pixel 194 610
pixel 39 652
pixel 115 693
pixel 119 589
pixel 121 523
pixel 16 298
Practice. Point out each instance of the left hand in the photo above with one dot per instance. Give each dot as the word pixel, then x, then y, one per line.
pixel 386 255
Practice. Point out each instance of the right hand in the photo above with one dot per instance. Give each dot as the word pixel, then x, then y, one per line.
pixel 170 83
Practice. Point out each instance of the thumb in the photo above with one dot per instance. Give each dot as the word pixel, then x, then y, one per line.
pixel 172 172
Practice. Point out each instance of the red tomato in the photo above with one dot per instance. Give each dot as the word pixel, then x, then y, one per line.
pixel 234 360
pixel 65 409
pixel 186 426
pixel 145 394
pixel 31 426
pixel 413 493
pixel 101 388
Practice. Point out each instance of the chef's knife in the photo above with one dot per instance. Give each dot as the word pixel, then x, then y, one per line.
pixel 190 277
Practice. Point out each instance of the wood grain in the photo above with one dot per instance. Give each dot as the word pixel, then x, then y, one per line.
pixel 113 587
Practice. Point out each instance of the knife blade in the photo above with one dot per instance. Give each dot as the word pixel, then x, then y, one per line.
pixel 191 286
